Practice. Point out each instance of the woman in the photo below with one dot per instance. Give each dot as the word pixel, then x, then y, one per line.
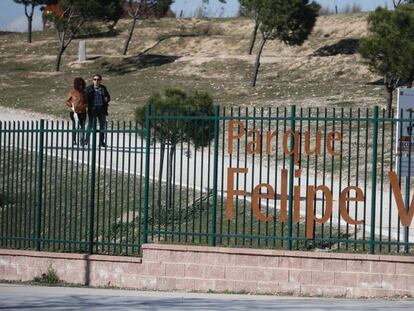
pixel 77 102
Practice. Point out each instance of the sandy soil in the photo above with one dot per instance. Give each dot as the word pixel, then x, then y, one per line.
pixel 9 114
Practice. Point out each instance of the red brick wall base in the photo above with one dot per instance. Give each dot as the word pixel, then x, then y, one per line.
pixel 197 268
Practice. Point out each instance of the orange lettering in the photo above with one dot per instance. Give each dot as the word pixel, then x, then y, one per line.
pixel 257 196
pixel 310 216
pixel 230 189
pixel 255 146
pixel 296 143
pixel 269 137
pixel 344 197
pixel 317 149
pixel 283 197
pixel 331 138
pixel 231 135
pixel 406 218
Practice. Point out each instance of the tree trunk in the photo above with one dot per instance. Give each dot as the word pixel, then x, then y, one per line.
pixel 59 57
pixel 410 84
pixel 162 153
pixel 169 176
pixel 389 101
pixel 257 66
pixel 29 29
pixel 131 32
pixel 253 38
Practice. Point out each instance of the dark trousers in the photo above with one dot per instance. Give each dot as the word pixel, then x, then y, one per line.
pixel 81 125
pixel 102 125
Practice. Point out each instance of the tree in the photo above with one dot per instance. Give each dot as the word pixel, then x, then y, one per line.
pixel 399 2
pixel 171 131
pixel 403 17
pixel 75 13
pixel 290 21
pixel 252 8
pixel 388 48
pixel 114 11
pixel 29 6
pixel 141 9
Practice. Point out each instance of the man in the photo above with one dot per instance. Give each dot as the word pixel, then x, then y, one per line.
pixel 98 100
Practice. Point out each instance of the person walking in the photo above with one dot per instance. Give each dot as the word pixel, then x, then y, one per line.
pixel 76 101
pixel 98 99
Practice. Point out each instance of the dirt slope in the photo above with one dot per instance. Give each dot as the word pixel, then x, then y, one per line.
pixel 212 58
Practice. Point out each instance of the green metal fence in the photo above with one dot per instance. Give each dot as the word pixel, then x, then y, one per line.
pixel 285 178
pixel 58 196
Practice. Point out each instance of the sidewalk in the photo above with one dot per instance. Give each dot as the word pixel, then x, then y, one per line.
pixel 22 297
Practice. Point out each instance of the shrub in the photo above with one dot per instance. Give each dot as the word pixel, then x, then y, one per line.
pixel 50 277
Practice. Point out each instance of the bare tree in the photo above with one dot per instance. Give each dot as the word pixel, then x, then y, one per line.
pixel 141 9
pixel 75 13
pixel 29 6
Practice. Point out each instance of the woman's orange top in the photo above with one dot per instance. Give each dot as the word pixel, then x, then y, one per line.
pixel 77 100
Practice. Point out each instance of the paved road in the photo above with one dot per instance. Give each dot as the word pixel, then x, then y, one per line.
pixel 20 297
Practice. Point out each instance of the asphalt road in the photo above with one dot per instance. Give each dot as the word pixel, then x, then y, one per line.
pixel 21 297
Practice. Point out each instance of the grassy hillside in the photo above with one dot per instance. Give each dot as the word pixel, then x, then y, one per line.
pixel 213 58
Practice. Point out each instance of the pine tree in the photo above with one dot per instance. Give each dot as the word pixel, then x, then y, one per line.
pixel 171 132
pixel 290 21
pixel 252 9
pixel 388 49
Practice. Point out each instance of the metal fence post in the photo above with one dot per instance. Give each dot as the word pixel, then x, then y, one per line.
pixel 215 173
pixel 147 169
pixel 291 174
pixel 40 184
pixel 92 187
pixel 374 179
pixel 4 198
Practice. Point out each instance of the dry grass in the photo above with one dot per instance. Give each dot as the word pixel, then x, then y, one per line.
pixel 215 61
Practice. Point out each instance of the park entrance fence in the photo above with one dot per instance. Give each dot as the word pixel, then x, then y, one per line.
pixel 277 178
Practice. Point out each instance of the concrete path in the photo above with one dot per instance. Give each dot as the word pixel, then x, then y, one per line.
pixel 20 297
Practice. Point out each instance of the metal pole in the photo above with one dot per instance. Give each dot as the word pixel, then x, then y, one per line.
pixel 407 206
pixel 407 186
pixel 147 169
pixel 374 179
pixel 291 174
pixel 92 187
pixel 215 172
pixel 40 184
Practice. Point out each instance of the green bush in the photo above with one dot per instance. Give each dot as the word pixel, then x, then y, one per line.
pixel 178 103
pixel 169 132
pixel 50 277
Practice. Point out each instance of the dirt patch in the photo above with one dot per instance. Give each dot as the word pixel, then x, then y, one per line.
pixel 214 61
pixel 41 74
pixel 9 114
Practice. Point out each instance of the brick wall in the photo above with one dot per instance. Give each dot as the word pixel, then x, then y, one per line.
pixel 197 268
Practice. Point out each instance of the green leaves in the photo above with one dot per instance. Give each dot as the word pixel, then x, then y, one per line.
pixel 31 2
pixel 388 49
pixel 175 102
pixel 148 7
pixel 290 21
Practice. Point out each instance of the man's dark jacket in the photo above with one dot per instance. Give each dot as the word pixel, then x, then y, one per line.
pixel 90 93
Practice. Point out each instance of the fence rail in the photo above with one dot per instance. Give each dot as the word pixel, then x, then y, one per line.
pixel 271 178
